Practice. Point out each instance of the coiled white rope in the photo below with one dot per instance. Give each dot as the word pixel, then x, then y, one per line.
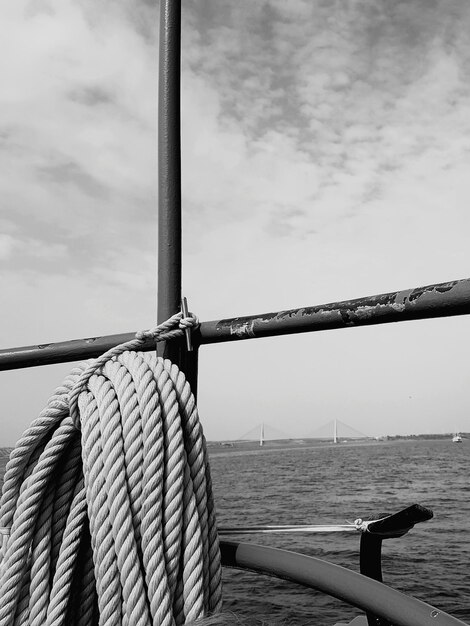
pixel 107 513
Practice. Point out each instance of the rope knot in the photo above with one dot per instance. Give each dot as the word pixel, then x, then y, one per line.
pixel 171 328
pixel 189 321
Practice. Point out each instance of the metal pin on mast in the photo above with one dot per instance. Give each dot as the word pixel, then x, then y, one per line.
pixel 187 331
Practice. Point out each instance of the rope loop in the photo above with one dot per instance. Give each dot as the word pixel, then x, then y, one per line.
pixel 177 322
pixel 170 329
pixel 107 515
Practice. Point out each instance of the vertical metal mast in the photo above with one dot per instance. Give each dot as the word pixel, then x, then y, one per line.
pixel 169 184
pixel 169 161
pixel 169 165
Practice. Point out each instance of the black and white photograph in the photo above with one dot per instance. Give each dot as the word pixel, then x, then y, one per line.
pixel 235 299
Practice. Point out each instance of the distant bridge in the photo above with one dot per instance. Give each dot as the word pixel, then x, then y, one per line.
pixel 335 429
pixel 266 432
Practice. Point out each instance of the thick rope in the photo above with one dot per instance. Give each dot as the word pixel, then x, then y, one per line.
pixel 107 513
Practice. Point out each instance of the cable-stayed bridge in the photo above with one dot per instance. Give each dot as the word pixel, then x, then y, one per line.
pixel 264 432
pixel 336 430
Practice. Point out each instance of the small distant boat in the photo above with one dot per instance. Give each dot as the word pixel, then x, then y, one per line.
pixel 457 438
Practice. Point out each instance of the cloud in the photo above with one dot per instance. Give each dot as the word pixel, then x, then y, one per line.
pixel 18 252
pixel 77 137
pixel 325 157
pixel 359 89
pixel 7 245
pixel 295 115
pixel 69 173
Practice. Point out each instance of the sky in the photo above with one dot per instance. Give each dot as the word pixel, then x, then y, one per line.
pixel 326 156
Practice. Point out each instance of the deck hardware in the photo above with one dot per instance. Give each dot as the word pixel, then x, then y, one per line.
pixel 388 527
pixel 187 331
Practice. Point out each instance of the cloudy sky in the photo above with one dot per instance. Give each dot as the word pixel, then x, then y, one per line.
pixel 326 156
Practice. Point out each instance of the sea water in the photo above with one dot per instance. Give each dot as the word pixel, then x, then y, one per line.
pixel 333 484
pixel 338 483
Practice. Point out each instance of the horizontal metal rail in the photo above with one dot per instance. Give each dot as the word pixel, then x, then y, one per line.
pixel 441 300
pixel 269 529
pixel 339 582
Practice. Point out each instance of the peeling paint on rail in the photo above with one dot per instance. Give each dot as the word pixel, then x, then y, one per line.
pixel 452 298
pixel 245 331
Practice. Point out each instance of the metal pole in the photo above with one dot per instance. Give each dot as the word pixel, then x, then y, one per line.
pixel 169 184
pixel 169 167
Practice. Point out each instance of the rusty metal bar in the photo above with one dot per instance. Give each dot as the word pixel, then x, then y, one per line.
pixel 441 300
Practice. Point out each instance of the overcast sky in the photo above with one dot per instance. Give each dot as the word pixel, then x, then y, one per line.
pixel 326 156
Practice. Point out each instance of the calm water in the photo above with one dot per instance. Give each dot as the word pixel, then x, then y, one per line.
pixel 333 484
pixel 337 483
